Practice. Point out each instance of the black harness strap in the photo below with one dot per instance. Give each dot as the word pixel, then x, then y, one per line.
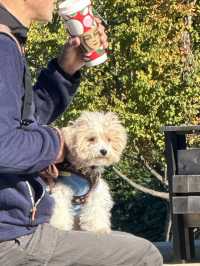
pixel 26 110
pixel 28 97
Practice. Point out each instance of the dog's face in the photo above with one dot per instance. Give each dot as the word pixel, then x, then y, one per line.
pixel 95 139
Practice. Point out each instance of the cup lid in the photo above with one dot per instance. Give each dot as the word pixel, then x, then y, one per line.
pixel 69 7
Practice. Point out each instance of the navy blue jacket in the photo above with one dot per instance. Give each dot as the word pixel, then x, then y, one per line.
pixel 25 152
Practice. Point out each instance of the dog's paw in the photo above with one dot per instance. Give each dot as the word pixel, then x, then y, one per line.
pixel 103 231
pixel 61 226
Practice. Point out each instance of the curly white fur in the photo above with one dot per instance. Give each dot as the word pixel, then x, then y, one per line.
pixel 95 215
pixel 63 215
pixel 95 139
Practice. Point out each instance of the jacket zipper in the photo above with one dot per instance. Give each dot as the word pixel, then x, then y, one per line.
pixel 34 204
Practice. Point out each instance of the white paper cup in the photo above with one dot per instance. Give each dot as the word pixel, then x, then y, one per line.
pixel 80 21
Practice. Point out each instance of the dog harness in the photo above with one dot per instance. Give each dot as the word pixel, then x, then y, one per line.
pixel 80 187
pixel 81 184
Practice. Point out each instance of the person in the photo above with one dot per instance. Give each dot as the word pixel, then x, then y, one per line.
pixel 31 146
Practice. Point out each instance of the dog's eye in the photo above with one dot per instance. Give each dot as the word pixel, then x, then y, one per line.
pixel 91 139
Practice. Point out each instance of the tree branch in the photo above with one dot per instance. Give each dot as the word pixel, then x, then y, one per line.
pixel 162 195
pixel 149 168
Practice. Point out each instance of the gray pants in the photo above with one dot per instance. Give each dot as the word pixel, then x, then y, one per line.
pixel 53 247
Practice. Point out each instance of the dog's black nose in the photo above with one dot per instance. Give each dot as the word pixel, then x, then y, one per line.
pixel 103 152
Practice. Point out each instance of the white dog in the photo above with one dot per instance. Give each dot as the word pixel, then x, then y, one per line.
pixel 95 140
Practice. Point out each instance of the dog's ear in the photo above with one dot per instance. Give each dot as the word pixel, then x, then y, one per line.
pixel 83 120
pixel 112 117
pixel 117 129
pixel 78 122
pixel 68 135
pixel 70 123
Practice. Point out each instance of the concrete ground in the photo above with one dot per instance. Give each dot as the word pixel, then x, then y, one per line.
pixel 187 264
pixel 167 251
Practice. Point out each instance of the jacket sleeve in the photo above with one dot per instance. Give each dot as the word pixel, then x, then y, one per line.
pixel 53 92
pixel 21 150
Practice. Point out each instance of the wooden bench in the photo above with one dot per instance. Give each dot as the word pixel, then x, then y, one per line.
pixel 183 169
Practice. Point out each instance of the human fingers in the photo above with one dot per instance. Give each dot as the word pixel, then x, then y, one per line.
pixel 74 42
pixel 102 34
pixel 100 20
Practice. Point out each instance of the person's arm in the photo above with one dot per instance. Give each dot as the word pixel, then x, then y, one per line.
pixel 57 84
pixel 54 91
pixel 27 150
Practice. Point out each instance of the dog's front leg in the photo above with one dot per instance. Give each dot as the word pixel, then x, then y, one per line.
pixel 62 217
pixel 96 213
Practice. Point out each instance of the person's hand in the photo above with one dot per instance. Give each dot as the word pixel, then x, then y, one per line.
pixel 50 173
pixel 72 57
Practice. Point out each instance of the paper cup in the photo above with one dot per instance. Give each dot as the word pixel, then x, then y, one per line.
pixel 80 21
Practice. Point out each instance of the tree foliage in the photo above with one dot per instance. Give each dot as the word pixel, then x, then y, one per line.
pixel 150 80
